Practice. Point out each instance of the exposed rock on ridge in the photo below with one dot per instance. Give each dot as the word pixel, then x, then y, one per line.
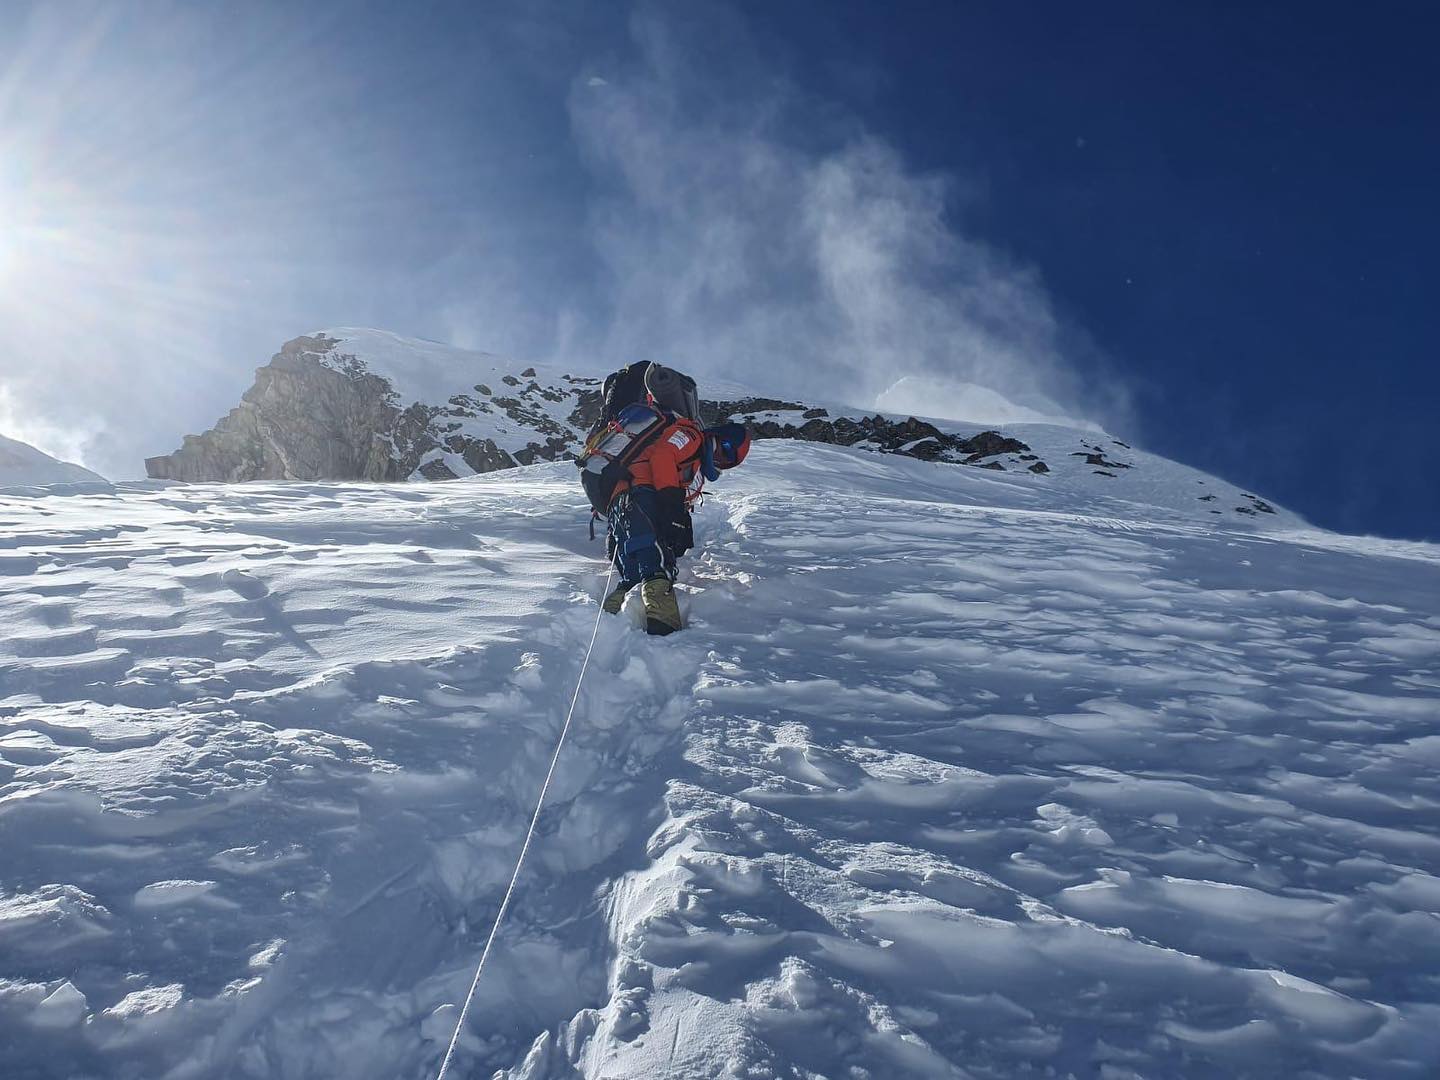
pixel 912 437
pixel 360 404
pixel 302 420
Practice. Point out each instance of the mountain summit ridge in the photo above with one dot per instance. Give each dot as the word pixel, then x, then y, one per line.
pixel 362 404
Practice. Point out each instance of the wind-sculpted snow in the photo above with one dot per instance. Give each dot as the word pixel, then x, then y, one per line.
pixel 953 774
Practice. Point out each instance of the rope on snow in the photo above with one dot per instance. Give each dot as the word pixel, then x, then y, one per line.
pixel 529 834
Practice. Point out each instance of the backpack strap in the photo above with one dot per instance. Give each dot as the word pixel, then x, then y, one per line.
pixel 600 486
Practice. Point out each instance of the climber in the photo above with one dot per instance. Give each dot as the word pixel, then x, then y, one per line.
pixel 643 469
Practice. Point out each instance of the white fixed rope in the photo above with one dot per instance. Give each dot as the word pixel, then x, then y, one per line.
pixel 529 834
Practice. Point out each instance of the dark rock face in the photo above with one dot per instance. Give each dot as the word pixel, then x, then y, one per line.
pixel 1099 459
pixel 717 411
pixel 586 413
pixel 317 414
pixel 300 421
pixel 911 437
pixel 437 470
pixel 1255 506
pixel 991 443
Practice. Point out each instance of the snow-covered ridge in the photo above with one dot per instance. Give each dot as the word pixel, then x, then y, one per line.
pixel 955 772
pixel 353 403
pixel 22 465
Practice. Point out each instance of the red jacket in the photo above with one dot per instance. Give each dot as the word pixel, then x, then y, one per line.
pixel 671 461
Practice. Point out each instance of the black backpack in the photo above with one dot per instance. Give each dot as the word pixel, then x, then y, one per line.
pixel 636 383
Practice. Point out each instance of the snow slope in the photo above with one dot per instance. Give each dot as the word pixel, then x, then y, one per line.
pixel 22 465
pixel 432 373
pixel 955 773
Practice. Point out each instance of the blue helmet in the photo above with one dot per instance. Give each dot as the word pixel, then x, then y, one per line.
pixel 725 447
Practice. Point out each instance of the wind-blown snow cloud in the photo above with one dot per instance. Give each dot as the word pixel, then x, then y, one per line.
pixel 756 233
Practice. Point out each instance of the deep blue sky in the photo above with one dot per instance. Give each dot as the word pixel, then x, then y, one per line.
pixel 1210 226
pixel 1241 202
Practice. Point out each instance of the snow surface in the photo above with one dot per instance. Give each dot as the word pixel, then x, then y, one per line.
pixel 928 395
pixel 954 773
pixel 22 465
pixel 431 373
pixel 420 370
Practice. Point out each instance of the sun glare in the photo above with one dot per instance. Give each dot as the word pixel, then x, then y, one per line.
pixel 9 241
pixel 16 232
pixel 14 237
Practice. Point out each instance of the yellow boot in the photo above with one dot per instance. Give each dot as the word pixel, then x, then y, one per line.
pixel 616 600
pixel 662 610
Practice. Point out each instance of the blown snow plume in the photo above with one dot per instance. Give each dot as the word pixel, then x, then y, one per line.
pixel 955 772
pixel 22 465
pixel 748 229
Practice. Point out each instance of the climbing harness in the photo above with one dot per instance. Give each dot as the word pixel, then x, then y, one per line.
pixel 529 834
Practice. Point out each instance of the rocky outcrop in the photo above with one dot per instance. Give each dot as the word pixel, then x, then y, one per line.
pixel 303 420
pixel 1254 505
pixel 317 413
pixel 911 437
